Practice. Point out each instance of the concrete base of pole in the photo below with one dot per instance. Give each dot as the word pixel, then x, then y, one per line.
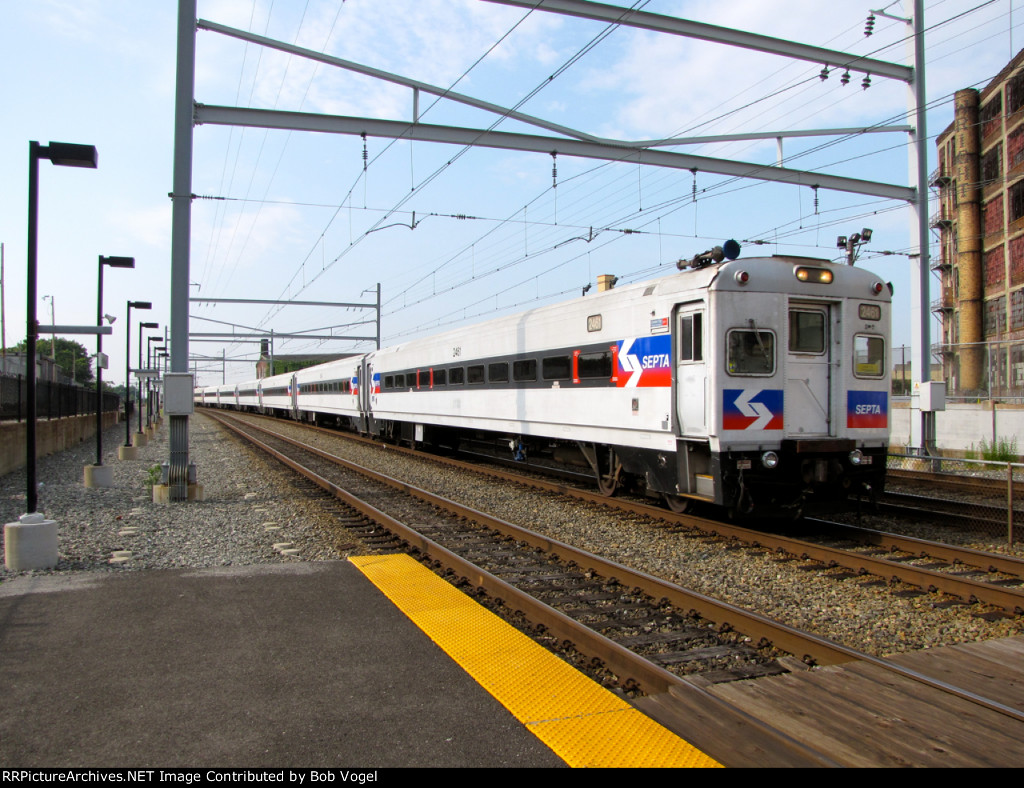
pixel 127 453
pixel 162 493
pixel 30 543
pixel 99 475
pixel 151 431
pixel 140 439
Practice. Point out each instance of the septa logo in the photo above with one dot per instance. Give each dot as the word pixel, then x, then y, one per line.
pixel 752 409
pixel 645 361
pixel 354 384
pixel 867 409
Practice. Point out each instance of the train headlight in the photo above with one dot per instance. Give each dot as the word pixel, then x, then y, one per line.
pixel 856 457
pixel 770 460
pixel 815 275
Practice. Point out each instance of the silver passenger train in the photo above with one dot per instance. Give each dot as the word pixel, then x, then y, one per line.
pixel 758 384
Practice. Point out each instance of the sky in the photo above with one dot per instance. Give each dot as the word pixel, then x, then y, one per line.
pixel 452 235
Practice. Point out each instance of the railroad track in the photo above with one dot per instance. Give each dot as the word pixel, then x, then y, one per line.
pixel 983 486
pixel 969 575
pixel 645 633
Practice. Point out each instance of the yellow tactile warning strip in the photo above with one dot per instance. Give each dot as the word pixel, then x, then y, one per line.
pixel 583 723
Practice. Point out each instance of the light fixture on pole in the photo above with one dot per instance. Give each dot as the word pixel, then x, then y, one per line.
pixel 33 532
pixel 149 386
pixel 53 339
pixel 138 373
pixel 99 475
pixel 128 452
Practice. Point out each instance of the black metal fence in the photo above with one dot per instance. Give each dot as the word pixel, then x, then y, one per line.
pixel 53 400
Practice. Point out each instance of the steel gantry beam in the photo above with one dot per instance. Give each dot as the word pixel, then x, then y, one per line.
pixel 719 35
pixel 455 135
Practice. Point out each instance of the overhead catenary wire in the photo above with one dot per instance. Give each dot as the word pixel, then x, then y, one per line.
pixel 709 193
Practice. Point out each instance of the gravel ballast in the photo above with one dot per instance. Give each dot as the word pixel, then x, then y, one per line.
pixel 252 504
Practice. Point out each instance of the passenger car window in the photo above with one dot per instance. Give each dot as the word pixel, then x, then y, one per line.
pixel 691 338
pixel 595 365
pixel 750 352
pixel 868 356
pixel 807 332
pixel 556 368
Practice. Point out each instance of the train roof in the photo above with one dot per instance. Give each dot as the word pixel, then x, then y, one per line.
pixel 775 273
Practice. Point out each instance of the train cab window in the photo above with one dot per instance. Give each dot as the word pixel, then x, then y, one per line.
pixel 456 376
pixel 524 369
pixel 595 365
pixel 750 352
pixel 691 338
pixel 868 356
pixel 808 332
pixel 440 378
pixel 498 372
pixel 556 368
pixel 475 374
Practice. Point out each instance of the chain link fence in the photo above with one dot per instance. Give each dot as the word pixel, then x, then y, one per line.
pixel 980 497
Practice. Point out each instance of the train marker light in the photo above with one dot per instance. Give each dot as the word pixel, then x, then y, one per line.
pixel 742 277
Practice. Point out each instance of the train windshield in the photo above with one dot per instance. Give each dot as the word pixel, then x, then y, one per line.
pixel 751 352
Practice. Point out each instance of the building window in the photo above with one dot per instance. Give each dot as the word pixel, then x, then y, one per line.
pixel 992 115
pixel 992 166
pixel 1017 309
pixel 1015 148
pixel 995 317
pixel 1015 93
pixel 1016 198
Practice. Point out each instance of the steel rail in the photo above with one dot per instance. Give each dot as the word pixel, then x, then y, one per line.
pixel 982 559
pixel 656 588
pixel 641 673
pixel 1009 599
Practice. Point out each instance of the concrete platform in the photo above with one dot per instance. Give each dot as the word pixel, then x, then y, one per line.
pixel 303 664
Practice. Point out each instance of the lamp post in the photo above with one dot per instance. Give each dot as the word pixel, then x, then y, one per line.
pixel 126 452
pixel 149 386
pixel 53 338
pixel 142 326
pixel 31 543
pixel 97 477
pixel 62 154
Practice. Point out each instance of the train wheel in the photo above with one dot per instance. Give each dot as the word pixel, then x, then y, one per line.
pixel 677 503
pixel 609 469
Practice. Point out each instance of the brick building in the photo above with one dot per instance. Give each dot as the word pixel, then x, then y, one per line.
pixel 980 178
